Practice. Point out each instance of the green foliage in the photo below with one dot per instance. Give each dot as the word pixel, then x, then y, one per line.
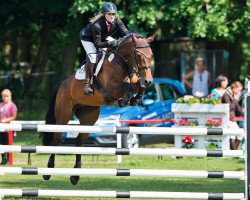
pixel 9 181
pixel 192 100
pixel 212 19
pixel 81 6
pixel 212 146
pixel 246 52
pixel 24 29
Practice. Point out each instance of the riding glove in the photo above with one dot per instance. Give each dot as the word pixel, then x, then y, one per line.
pixel 113 43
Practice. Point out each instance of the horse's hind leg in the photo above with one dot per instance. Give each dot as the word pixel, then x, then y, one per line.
pixel 51 164
pixel 62 115
pixel 51 161
pixel 87 115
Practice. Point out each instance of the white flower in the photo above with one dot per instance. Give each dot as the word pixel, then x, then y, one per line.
pixel 198 94
pixel 187 97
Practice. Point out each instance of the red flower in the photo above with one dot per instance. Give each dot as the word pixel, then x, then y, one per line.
pixel 187 139
pixel 214 122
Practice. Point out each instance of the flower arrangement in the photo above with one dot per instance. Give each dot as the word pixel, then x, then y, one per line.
pixel 186 122
pixel 187 142
pixel 213 99
pixel 214 122
pixel 189 99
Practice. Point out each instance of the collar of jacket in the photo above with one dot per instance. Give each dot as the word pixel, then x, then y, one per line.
pixel 230 93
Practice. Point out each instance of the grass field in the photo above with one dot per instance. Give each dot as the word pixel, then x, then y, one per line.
pixel 122 183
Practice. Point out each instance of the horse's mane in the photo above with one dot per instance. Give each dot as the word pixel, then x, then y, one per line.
pixel 127 38
pixel 129 35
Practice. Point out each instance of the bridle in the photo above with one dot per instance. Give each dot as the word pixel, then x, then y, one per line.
pixel 139 68
pixel 125 63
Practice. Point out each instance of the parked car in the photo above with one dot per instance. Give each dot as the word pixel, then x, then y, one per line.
pixel 156 104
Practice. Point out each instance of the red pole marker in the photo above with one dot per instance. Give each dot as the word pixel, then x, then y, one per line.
pixel 10 142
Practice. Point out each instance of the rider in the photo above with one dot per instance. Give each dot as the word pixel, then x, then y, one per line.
pixel 94 35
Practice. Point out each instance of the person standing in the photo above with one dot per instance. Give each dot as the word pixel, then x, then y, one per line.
pixel 231 97
pixel 8 112
pixel 221 83
pixel 201 79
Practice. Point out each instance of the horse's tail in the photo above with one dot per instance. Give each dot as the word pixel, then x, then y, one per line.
pixel 50 118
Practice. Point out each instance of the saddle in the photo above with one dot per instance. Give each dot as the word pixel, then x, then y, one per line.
pixel 81 72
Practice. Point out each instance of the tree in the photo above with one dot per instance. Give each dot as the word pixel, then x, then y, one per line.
pixel 213 20
pixel 46 33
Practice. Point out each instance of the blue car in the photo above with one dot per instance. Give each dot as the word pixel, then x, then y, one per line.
pixel 156 104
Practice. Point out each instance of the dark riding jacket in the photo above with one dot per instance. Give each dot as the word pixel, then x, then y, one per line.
pixel 97 32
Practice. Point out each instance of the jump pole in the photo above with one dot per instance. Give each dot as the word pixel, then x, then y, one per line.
pixel 123 172
pixel 247 157
pixel 119 194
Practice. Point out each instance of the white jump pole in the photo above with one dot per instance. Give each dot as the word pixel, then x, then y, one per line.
pixel 117 194
pixel 122 130
pixel 121 151
pixel 123 172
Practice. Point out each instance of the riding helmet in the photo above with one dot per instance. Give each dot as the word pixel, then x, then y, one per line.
pixel 109 7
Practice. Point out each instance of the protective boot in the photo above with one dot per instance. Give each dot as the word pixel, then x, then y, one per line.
pixel 237 143
pixel 89 73
pixel 232 144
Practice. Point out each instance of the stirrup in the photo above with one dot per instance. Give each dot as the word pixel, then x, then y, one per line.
pixel 87 89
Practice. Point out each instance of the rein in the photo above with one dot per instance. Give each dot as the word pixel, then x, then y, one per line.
pixel 130 70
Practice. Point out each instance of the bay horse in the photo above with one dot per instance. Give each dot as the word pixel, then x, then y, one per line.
pixel 125 71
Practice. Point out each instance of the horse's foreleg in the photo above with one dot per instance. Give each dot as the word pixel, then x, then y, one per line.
pixel 124 101
pixel 138 98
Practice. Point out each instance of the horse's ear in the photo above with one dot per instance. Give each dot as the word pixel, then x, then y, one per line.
pixel 134 39
pixel 151 38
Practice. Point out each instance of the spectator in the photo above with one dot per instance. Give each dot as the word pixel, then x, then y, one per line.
pixel 231 97
pixel 201 79
pixel 244 92
pixel 8 112
pixel 221 83
pixel 241 99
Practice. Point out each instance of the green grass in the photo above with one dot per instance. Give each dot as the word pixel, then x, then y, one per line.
pixel 122 183
pixel 129 183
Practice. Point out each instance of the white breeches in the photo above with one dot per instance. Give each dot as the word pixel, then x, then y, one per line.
pixel 90 50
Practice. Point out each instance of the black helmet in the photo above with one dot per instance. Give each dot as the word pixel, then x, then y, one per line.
pixel 109 7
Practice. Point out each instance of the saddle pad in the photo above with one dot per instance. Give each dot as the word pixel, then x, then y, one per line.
pixel 80 73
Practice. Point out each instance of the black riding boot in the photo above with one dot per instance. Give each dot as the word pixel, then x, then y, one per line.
pixel 89 67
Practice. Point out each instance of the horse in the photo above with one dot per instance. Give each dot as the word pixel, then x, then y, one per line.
pixel 125 72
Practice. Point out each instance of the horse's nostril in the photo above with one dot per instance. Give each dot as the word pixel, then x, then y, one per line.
pixel 148 83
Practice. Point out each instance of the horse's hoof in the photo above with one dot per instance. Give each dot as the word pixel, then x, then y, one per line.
pixel 74 179
pixel 46 177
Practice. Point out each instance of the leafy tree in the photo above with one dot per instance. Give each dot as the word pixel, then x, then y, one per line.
pixel 46 33
pixel 210 19
pixel 213 20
